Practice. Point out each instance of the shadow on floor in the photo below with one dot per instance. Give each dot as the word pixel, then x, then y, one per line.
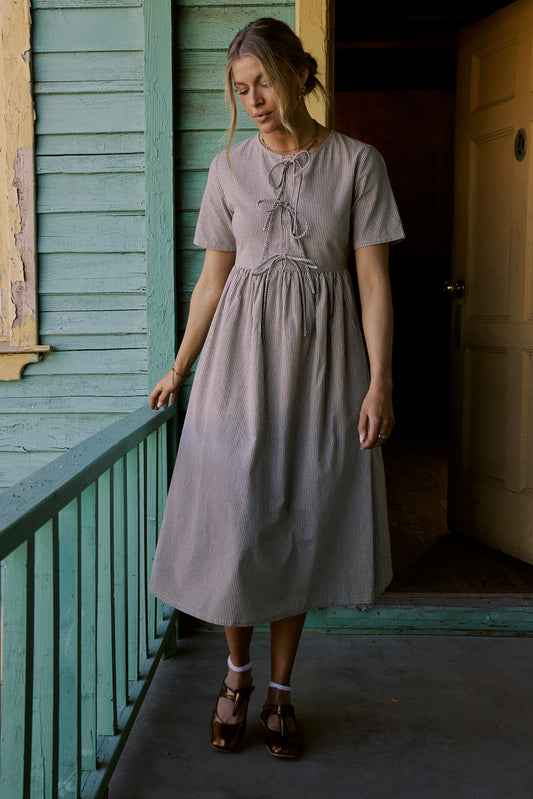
pixel 408 717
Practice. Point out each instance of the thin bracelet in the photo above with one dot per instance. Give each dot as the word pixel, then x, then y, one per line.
pixel 180 374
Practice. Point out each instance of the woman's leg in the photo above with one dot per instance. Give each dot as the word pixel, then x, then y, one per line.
pixel 284 639
pixel 239 639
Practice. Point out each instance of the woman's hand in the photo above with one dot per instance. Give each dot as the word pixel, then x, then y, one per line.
pixel 169 384
pixel 376 418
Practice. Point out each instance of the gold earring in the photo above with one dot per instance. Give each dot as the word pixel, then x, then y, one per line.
pixel 301 93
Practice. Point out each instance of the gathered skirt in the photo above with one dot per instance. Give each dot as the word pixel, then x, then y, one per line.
pixel 273 509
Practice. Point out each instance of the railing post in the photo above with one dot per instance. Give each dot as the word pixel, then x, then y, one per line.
pixel 81 634
pixel 132 511
pixel 119 580
pixel 88 578
pixel 69 768
pixel 17 672
pixel 105 672
pixel 45 728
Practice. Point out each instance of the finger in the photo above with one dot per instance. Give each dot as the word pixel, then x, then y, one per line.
pixel 373 432
pixel 163 399
pixel 362 427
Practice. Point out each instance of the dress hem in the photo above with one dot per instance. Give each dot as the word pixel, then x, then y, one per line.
pixel 306 608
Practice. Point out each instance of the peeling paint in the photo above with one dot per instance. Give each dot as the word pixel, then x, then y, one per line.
pixel 23 290
pixel 18 285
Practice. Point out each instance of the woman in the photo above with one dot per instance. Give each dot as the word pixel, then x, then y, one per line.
pixel 277 502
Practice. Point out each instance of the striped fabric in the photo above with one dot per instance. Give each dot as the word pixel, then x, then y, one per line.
pixel 273 510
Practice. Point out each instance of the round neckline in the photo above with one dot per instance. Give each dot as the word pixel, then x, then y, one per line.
pixel 298 152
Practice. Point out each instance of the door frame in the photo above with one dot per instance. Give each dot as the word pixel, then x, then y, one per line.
pixel 437 613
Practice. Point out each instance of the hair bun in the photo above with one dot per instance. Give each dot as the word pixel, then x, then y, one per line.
pixel 312 66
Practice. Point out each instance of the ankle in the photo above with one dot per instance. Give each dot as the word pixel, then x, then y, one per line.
pixel 238 676
pixel 279 694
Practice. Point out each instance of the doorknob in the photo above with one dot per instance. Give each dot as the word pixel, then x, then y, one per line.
pixel 454 289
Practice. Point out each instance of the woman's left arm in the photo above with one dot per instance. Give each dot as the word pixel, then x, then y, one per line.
pixel 377 416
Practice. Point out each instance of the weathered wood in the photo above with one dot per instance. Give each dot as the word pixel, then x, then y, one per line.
pixel 80 164
pixel 54 432
pixel 44 747
pixel 95 322
pixel 74 387
pixel 201 70
pixel 92 273
pixel 159 188
pixel 89 143
pixel 48 4
pixel 89 30
pixel 57 405
pixel 109 302
pixel 17 590
pixel 69 770
pixel 90 232
pixel 88 580
pixel 116 341
pixel 203 28
pixel 27 505
pixel 143 522
pixel 260 11
pixel 207 111
pixel 192 187
pixel 70 113
pixel 89 87
pixel 119 582
pixel 89 363
pixel 76 68
pixel 152 496
pixel 106 711
pixel 197 148
pixel 72 193
pixel 132 524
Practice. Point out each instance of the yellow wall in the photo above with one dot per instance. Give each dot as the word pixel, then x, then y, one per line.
pixel 314 26
pixel 18 318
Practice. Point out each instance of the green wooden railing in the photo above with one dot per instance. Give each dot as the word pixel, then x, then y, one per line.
pixel 82 635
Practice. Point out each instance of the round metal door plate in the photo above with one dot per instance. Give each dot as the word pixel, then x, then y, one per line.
pixel 520 145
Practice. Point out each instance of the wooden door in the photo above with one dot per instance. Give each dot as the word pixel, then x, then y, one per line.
pixel 491 441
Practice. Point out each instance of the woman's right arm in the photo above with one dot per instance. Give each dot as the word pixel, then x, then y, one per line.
pixel 204 301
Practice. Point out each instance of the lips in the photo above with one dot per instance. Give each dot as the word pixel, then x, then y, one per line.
pixel 262 117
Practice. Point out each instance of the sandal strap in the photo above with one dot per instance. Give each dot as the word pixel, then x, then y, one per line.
pixel 281 711
pixel 238 696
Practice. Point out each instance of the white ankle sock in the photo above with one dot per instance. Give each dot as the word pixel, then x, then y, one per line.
pixel 239 668
pixel 280 687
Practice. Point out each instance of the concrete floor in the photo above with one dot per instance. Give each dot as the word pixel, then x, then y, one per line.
pixel 411 717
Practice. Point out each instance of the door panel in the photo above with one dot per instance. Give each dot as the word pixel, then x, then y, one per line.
pixel 491 465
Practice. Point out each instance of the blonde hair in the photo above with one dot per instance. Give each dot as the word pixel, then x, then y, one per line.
pixel 280 53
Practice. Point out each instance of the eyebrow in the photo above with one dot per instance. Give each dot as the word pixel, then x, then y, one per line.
pixel 240 83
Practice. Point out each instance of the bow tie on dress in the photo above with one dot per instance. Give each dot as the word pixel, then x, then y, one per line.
pixel 303 267
pixel 277 177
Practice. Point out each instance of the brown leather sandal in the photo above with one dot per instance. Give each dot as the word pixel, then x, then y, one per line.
pixel 281 743
pixel 227 737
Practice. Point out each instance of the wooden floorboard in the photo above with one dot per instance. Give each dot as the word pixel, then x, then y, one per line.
pixel 427 557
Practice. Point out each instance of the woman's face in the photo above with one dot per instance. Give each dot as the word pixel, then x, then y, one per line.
pixel 257 96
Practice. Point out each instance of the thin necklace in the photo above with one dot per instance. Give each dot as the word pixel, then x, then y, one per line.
pixel 296 149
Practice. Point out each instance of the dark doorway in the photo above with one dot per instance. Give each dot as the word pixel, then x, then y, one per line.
pixel 395 78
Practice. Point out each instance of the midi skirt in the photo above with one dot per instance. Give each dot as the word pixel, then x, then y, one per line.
pixel 273 508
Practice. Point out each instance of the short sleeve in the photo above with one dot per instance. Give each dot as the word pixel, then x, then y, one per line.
pixel 214 226
pixel 374 217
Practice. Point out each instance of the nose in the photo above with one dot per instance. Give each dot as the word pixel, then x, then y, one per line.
pixel 256 99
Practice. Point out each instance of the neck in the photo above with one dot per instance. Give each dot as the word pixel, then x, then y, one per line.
pixel 283 141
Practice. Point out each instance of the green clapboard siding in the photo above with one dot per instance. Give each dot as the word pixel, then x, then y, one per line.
pixel 204 29
pixel 88 65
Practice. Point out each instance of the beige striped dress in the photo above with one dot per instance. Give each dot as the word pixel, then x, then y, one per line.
pixel 273 509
